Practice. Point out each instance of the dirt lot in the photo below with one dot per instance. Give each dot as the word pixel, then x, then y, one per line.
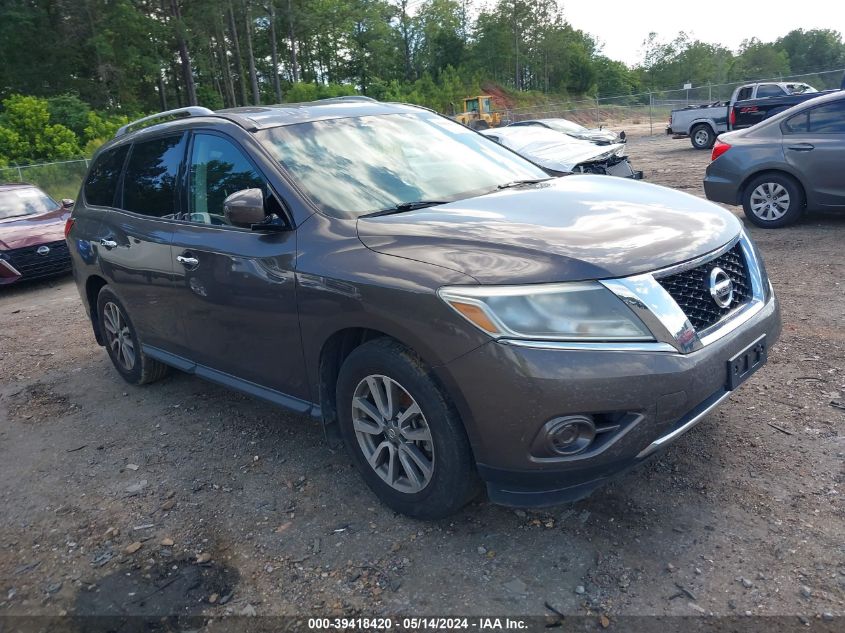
pixel 109 493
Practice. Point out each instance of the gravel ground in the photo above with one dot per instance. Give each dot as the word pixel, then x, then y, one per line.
pixel 110 494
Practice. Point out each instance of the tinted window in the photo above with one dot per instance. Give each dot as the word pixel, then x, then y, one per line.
pixel 828 119
pixel 18 202
pixel 218 169
pixel 769 90
pixel 151 179
pixel 745 93
pixel 101 184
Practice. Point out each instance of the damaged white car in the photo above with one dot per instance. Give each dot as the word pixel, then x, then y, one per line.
pixel 576 130
pixel 559 153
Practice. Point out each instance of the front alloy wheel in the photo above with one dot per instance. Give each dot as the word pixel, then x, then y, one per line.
pixel 403 432
pixel 393 433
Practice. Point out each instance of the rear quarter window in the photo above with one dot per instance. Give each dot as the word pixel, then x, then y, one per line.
pixel 101 184
pixel 796 124
pixel 828 118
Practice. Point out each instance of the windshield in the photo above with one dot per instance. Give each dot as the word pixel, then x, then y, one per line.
pixel 798 89
pixel 567 127
pixel 20 202
pixel 354 166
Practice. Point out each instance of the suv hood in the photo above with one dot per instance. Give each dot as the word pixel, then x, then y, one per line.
pixel 31 230
pixel 567 229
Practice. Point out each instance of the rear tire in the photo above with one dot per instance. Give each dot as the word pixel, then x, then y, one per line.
pixel 122 343
pixel 702 137
pixel 772 200
pixel 416 460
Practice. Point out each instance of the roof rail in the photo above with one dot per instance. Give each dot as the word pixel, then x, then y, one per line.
pixel 348 98
pixel 177 113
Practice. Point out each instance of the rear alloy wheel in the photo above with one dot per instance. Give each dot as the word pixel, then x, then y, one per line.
pixel 772 201
pixel 702 137
pixel 404 435
pixel 121 341
pixel 118 338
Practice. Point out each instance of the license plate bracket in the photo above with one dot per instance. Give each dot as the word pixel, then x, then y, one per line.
pixel 749 360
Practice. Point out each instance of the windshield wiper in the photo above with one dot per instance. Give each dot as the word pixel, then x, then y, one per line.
pixel 519 183
pixel 406 206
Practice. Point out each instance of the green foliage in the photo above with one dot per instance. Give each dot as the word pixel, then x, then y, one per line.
pixel 89 65
pixel 70 111
pixel 100 128
pixel 760 59
pixel 28 135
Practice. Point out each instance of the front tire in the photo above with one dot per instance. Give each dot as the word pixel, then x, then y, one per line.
pixel 404 435
pixel 122 343
pixel 772 200
pixel 702 137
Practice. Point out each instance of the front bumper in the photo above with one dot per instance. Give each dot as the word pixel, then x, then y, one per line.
pixel 506 393
pixel 34 262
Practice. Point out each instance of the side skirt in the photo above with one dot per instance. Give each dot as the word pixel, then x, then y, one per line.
pixel 233 382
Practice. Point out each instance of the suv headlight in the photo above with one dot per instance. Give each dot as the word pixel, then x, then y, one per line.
pixel 580 311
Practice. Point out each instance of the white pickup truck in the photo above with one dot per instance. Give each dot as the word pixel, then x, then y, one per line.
pixel 749 104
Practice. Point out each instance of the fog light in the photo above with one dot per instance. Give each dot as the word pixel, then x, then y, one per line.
pixel 570 434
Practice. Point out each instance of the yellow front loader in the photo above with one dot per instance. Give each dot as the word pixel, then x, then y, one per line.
pixel 478 113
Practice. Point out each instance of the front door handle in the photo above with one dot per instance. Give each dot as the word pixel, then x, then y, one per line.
pixel 108 243
pixel 801 147
pixel 187 261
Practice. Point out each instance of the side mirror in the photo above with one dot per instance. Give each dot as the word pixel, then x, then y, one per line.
pixel 245 207
pixel 67 203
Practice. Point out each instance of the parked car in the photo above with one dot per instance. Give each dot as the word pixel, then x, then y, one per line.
pixel 454 313
pixel 32 244
pixel 790 162
pixel 575 130
pixel 748 105
pixel 559 153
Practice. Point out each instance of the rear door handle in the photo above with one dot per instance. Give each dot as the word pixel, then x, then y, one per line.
pixel 108 243
pixel 188 262
pixel 801 147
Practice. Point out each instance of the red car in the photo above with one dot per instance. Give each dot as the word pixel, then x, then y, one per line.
pixel 32 239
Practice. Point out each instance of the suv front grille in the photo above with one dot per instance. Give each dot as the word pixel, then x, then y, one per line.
pixel 30 264
pixel 690 288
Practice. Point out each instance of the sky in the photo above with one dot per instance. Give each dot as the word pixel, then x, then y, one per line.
pixel 623 25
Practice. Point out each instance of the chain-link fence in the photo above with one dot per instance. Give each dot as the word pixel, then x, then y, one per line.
pixel 648 112
pixel 59 179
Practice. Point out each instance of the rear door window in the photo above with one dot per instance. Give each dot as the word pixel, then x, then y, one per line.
pixel 151 180
pixel 101 184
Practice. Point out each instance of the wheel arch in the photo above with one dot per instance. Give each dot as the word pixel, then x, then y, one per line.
pixel 93 285
pixel 336 349
pixel 775 171
pixel 708 122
